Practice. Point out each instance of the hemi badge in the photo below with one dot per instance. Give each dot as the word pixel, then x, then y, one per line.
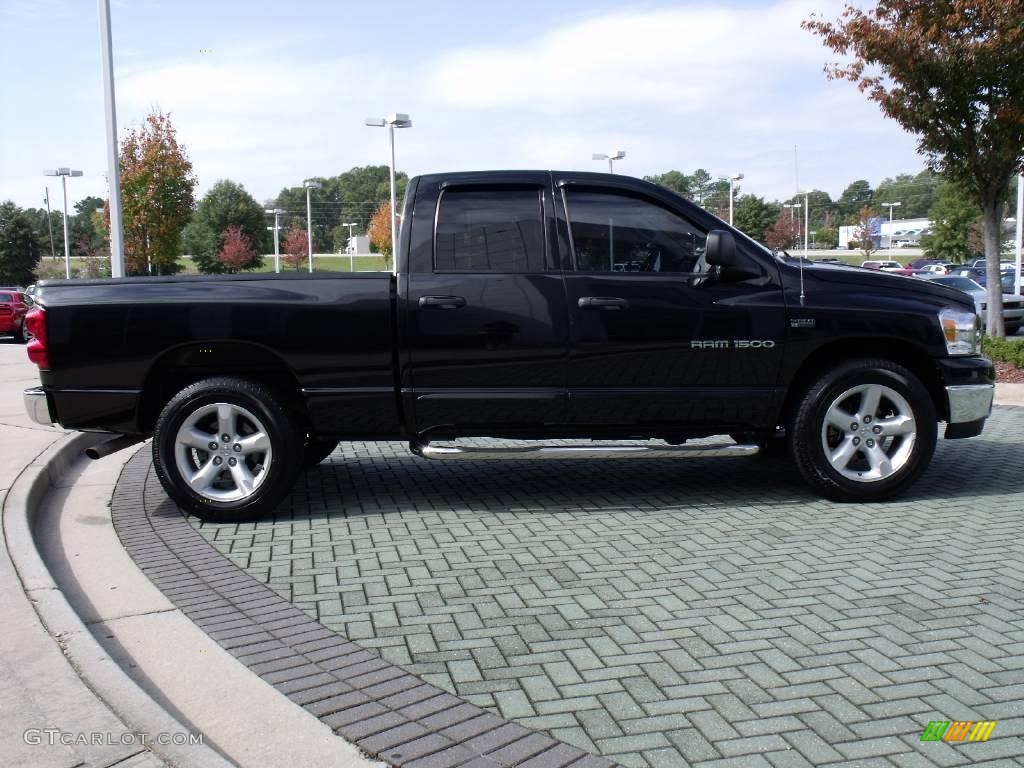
pixel 802 322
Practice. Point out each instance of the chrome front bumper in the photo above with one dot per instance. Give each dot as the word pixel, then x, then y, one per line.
pixel 969 402
pixel 37 407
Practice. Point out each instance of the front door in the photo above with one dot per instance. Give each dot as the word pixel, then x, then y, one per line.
pixel 488 329
pixel 658 338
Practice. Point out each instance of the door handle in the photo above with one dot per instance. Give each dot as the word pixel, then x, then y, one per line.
pixel 442 302
pixel 602 302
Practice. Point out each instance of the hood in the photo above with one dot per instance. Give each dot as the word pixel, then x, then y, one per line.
pixel 883 282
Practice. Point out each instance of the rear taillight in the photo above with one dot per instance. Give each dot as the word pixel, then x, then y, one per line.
pixel 38 352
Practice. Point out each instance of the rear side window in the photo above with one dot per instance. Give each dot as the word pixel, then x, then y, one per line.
pixel 6 298
pixel 490 230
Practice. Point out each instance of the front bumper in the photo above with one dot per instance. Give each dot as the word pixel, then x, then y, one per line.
pixel 37 405
pixel 969 384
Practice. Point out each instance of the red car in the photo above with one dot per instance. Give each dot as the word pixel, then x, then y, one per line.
pixel 13 308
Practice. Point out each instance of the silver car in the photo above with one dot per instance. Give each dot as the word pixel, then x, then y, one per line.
pixel 1013 305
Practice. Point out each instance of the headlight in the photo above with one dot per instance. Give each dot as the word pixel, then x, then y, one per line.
pixel 961 330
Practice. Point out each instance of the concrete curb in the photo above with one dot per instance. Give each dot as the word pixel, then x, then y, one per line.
pixel 136 709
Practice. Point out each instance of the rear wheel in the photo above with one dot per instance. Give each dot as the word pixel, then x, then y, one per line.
pixel 865 431
pixel 20 335
pixel 226 449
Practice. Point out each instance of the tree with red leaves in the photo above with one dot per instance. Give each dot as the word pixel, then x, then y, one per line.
pixel 237 253
pixel 949 71
pixel 784 233
pixel 295 247
pixel 380 231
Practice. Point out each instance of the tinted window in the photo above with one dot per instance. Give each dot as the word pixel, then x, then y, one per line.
pixel 6 298
pixel 616 233
pixel 489 230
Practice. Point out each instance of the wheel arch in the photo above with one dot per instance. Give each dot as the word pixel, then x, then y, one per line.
pixel 829 355
pixel 186 364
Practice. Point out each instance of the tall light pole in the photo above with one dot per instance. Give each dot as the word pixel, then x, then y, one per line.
pixel 732 186
pixel 310 185
pixel 49 225
pixel 1020 228
pixel 611 157
pixel 890 206
pixel 276 212
pixel 351 253
pixel 113 161
pixel 64 173
pixel 395 120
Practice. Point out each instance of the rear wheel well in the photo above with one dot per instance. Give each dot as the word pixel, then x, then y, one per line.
pixel 181 367
pixel 837 352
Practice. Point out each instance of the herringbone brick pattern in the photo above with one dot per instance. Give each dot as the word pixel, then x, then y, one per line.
pixel 666 613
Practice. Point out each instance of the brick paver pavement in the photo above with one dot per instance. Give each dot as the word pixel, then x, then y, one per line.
pixel 667 613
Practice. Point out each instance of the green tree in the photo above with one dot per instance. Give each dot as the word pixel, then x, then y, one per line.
pixel 157 186
pixel 676 181
pixel 949 71
pixel 955 220
pixel 915 194
pixel 854 197
pixel 226 205
pixel 88 235
pixel 19 246
pixel 350 196
pixel 755 217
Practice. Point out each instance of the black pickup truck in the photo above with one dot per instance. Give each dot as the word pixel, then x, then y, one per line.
pixel 529 305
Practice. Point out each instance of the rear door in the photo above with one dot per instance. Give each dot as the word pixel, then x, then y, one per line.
pixel 659 339
pixel 485 323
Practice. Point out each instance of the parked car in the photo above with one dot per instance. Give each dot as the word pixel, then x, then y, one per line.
pixel 1013 306
pixel 917 265
pixel 885 266
pixel 508 317
pixel 14 305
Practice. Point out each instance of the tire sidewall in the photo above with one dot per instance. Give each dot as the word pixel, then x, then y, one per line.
pixel 284 445
pixel 924 418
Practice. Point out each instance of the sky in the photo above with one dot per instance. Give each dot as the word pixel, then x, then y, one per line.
pixel 268 93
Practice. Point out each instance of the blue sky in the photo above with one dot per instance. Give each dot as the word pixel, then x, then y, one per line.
pixel 282 95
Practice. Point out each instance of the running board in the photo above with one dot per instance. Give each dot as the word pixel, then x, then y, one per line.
pixel 560 452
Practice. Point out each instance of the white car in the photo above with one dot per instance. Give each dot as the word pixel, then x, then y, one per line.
pixel 885 266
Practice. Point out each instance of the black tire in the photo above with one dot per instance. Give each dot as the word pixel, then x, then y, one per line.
pixel 807 436
pixel 315 451
pixel 20 336
pixel 272 484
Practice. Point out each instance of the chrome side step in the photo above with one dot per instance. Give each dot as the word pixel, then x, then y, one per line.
pixel 560 452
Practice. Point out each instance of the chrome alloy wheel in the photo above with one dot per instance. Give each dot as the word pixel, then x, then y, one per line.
pixel 222 452
pixel 868 433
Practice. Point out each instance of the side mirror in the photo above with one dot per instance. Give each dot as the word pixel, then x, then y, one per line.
pixel 720 249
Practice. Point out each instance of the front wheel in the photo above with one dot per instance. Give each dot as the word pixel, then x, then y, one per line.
pixel 865 431
pixel 226 449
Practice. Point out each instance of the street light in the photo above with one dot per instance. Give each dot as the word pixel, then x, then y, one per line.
pixel 64 173
pixel 310 185
pixel 732 182
pixel 890 206
pixel 396 120
pixel 49 224
pixel 276 212
pixel 611 157
pixel 351 254
pixel 113 160
pixel 1020 229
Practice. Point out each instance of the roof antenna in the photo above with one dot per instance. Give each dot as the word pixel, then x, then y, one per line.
pixel 802 280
